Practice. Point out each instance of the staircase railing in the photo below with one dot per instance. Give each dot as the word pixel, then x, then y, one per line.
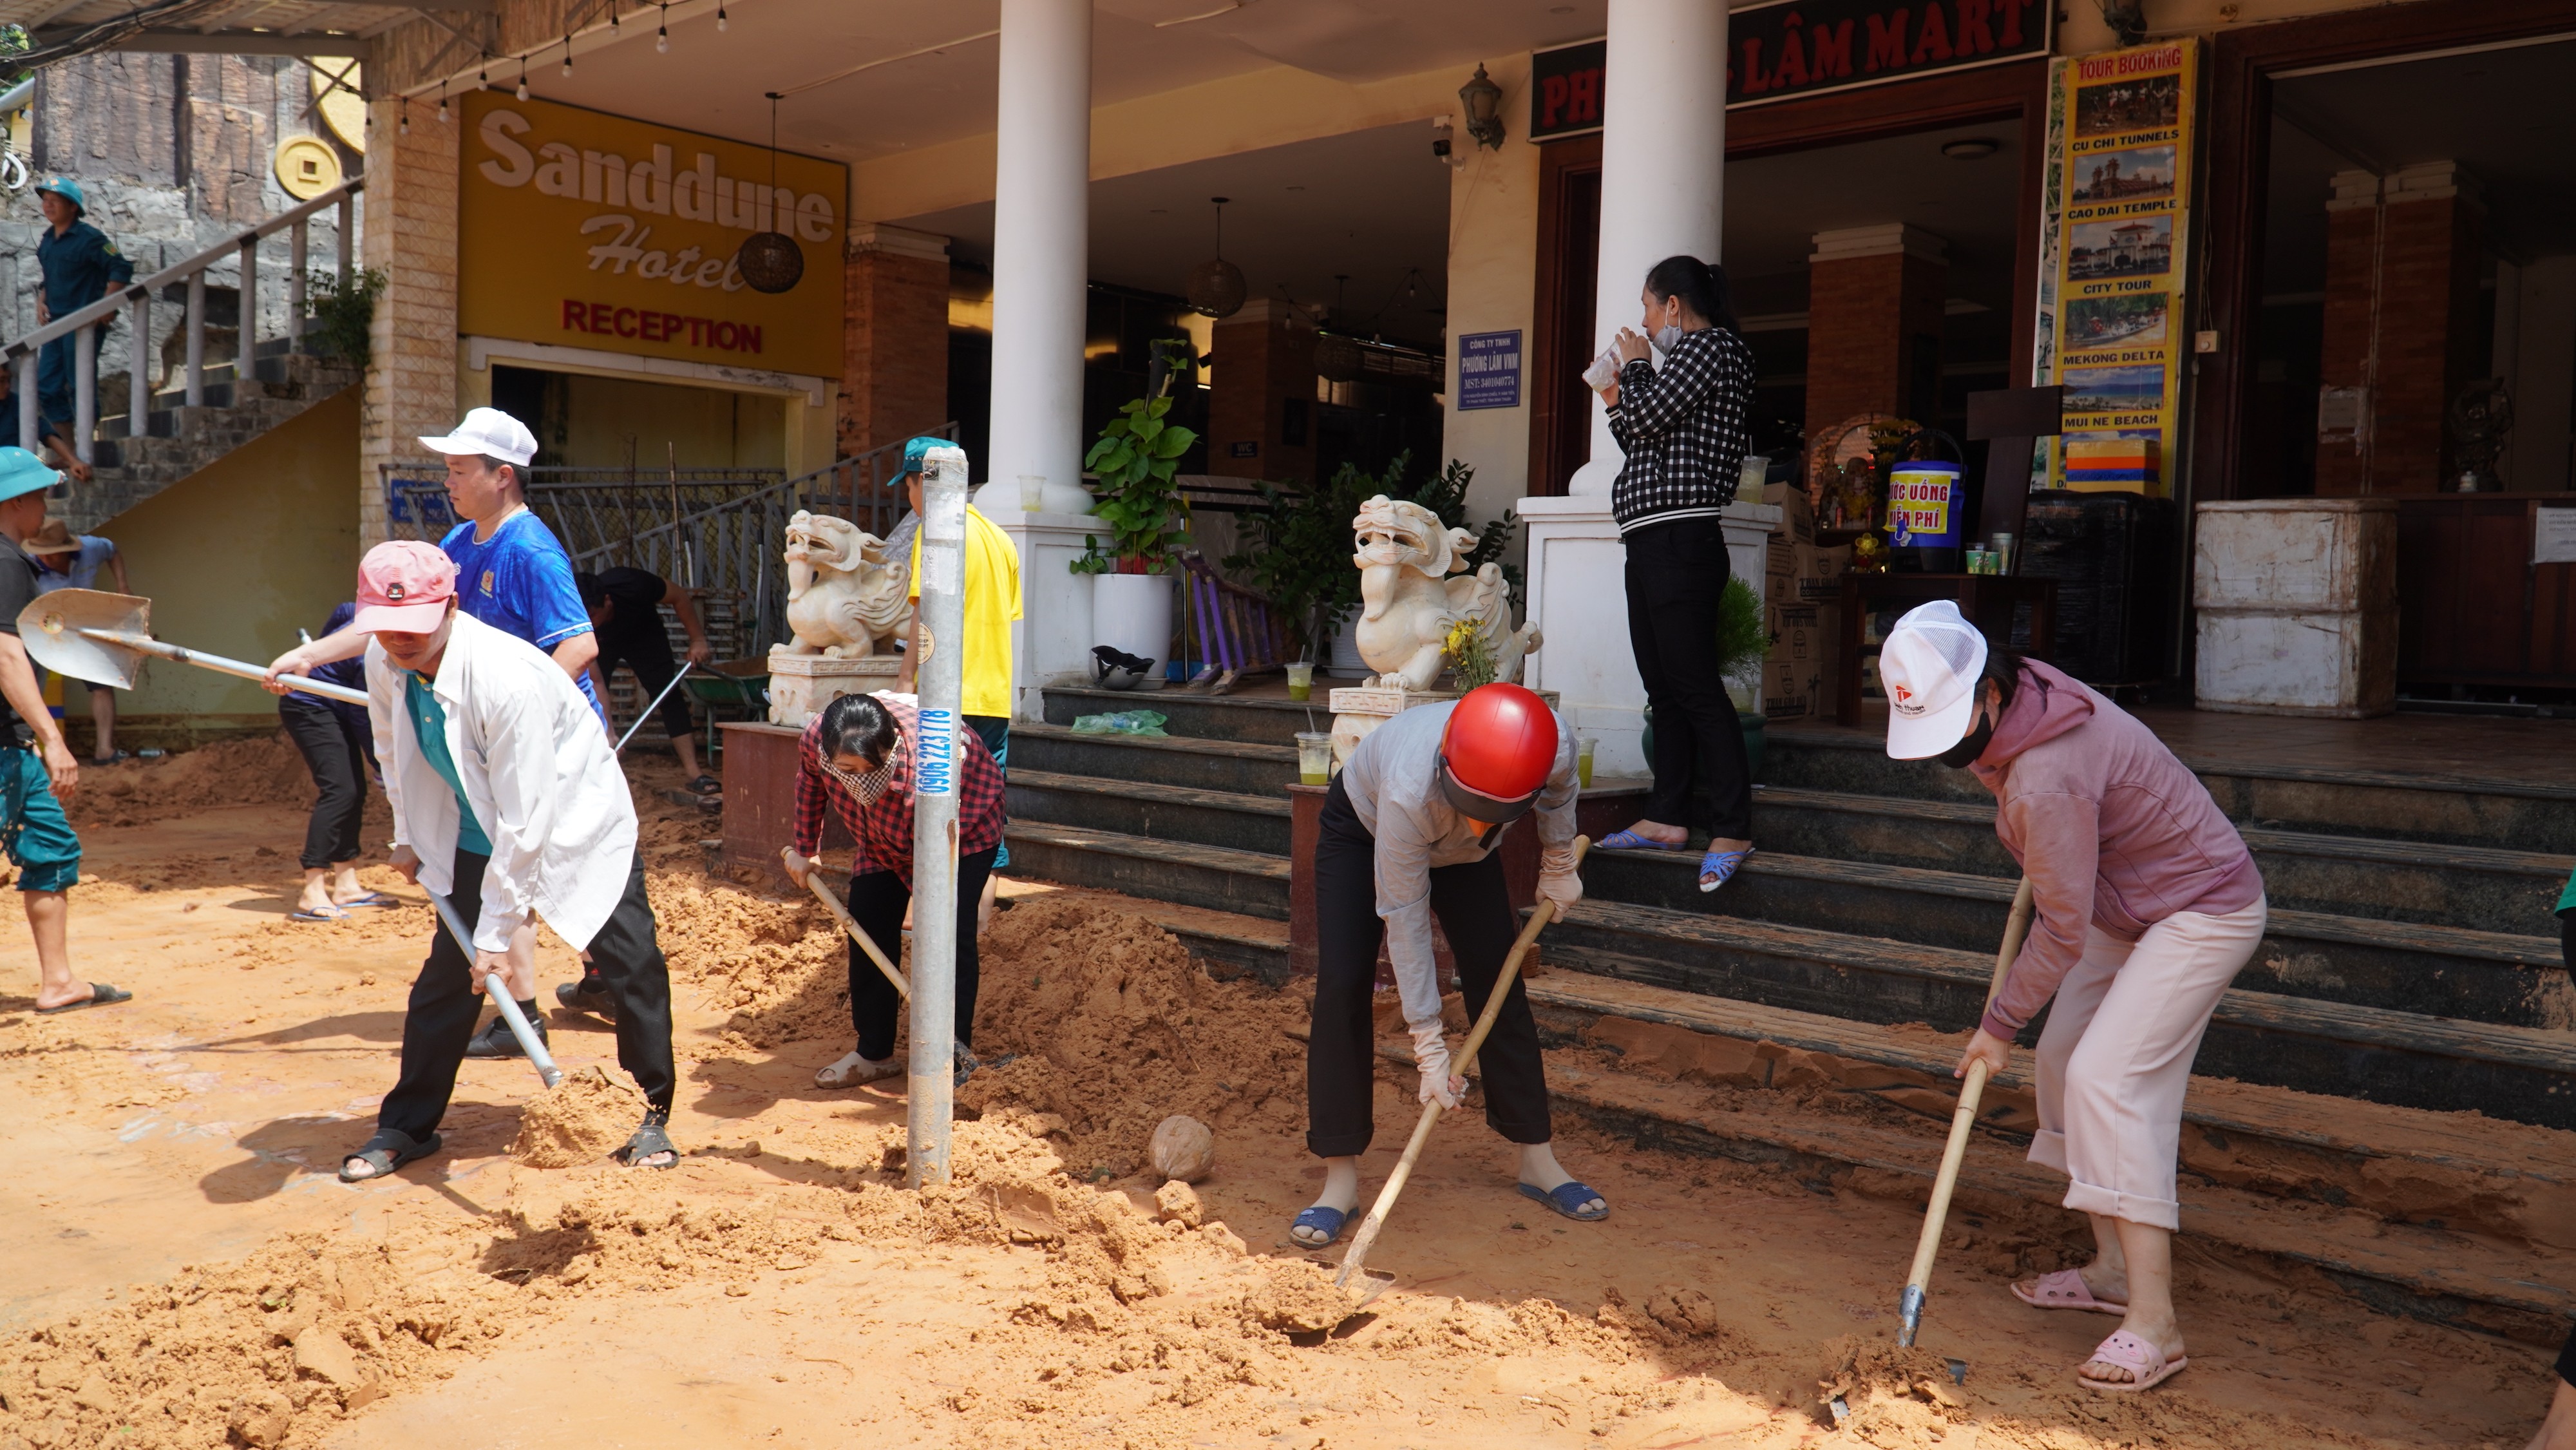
pixel 136 298
pixel 718 531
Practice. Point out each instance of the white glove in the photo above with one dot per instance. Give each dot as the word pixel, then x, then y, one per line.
pixel 1604 370
pixel 1556 879
pixel 1431 1059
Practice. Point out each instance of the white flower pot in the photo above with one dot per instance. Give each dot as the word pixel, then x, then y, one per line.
pixel 1133 612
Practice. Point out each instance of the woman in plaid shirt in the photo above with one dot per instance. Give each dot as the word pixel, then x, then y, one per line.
pixel 856 762
pixel 1683 431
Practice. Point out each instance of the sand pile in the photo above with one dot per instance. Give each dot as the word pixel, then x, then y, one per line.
pixel 776 966
pixel 1298 1297
pixel 261 771
pixel 1115 1027
pixel 579 1121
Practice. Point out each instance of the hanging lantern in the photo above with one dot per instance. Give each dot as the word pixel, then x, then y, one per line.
pixel 1216 285
pixel 771 261
pixel 1483 101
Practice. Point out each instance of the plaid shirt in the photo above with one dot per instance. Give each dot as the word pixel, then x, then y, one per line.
pixel 1682 429
pixel 884 830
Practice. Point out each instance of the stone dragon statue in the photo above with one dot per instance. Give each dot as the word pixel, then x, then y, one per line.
pixel 845 598
pixel 1408 603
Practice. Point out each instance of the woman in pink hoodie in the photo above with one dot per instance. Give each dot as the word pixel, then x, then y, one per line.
pixel 2145 906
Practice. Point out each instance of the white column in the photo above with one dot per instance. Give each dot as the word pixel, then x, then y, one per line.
pixel 1663 158
pixel 1663 163
pixel 1041 252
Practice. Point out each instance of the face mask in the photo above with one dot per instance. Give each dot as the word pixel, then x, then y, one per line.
pixel 1965 753
pixel 867 786
pixel 1667 337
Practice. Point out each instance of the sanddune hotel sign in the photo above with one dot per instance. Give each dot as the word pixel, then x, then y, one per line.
pixel 595 231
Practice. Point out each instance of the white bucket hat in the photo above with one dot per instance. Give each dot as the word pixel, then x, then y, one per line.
pixel 1930 666
pixel 488 431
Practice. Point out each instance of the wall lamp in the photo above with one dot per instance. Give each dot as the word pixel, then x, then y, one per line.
pixel 1483 103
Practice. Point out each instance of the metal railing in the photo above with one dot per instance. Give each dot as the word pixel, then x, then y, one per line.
pixel 135 298
pixel 717 531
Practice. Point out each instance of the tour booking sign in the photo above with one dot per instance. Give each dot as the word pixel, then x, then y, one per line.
pixel 594 231
pixel 2118 335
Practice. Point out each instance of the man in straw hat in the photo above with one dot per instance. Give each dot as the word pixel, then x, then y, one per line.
pixel 36 768
pixel 508 801
pixel 72 561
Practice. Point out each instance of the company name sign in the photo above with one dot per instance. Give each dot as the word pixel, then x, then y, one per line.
pixel 600 232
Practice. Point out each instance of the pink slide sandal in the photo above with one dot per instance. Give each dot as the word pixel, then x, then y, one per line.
pixel 2147 1363
pixel 2065 1290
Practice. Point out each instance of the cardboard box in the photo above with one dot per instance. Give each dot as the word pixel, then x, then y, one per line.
pixel 1798 676
pixel 1797 519
pixel 1820 579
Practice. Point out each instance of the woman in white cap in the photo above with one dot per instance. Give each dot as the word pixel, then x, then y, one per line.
pixel 2145 906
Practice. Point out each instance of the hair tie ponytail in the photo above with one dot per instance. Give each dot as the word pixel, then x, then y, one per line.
pixel 1701 285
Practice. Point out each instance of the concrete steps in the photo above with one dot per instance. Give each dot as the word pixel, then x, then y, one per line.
pixel 1144 808
pixel 1217 765
pixel 178 440
pixel 1210 877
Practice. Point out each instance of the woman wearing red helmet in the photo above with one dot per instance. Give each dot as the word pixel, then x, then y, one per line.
pixel 1408 834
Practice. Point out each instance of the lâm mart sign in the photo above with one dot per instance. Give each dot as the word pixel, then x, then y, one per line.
pixel 1783 49
pixel 594 231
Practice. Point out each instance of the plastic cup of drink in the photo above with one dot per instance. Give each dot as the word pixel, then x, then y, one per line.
pixel 1314 757
pixel 1032 493
pixel 1977 561
pixel 1301 680
pixel 1583 748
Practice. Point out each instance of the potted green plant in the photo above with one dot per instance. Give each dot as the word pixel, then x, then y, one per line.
pixel 1136 461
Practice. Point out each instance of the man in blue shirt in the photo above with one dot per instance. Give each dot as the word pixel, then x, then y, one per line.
pixel 512 574
pixel 79 264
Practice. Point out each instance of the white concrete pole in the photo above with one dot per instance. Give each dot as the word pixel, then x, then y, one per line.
pixel 1041 251
pixel 931 1092
pixel 1663 166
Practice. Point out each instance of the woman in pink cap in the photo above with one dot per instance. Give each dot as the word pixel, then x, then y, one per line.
pixel 2145 906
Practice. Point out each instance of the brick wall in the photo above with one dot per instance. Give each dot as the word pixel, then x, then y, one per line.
pixel 410 233
pixel 1263 374
pixel 2414 263
pixel 894 376
pixel 1874 298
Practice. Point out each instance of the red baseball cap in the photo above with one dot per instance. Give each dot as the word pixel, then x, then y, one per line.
pixel 404 586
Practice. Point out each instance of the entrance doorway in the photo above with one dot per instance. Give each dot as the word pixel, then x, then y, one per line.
pixel 592 422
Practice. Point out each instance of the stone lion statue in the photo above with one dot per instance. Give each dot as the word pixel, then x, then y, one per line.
pixel 1407 602
pixel 845 598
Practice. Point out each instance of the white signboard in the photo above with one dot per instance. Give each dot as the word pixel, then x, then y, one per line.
pixel 2553 536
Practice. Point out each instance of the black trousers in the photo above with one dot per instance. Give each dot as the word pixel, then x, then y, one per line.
pixel 339 754
pixel 444 1004
pixel 1676 573
pixel 877 902
pixel 649 656
pixel 1475 910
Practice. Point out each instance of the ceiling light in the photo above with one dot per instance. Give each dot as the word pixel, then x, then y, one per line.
pixel 720 15
pixel 662 37
pixel 1973 148
pixel 770 260
pixel 1217 287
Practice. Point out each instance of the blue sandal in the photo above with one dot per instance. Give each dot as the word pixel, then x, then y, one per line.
pixel 1327 1221
pixel 1568 1198
pixel 1718 867
pixel 1631 841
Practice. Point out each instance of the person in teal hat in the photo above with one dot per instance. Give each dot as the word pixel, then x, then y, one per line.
pixel 79 264
pixel 36 768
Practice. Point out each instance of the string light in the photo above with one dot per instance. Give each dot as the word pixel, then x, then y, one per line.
pixel 483 77
pixel 720 16
pixel 662 37
pixel 406 116
pixel 442 107
pixel 567 55
pixel 523 77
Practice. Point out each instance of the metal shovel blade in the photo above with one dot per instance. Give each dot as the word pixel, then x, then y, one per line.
pixel 1365 1292
pixel 51 629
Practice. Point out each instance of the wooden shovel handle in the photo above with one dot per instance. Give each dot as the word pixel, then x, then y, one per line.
pixel 1971 1095
pixel 841 914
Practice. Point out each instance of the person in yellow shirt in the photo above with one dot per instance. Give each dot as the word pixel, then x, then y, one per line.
pixel 992 604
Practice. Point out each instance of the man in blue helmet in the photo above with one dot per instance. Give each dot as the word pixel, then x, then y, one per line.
pixel 79 264
pixel 992 603
pixel 36 768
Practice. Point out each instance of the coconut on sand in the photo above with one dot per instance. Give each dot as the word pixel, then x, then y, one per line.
pixel 579 1121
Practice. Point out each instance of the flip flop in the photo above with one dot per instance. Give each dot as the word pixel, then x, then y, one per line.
pixel 649 1141
pixel 2147 1363
pixel 2065 1289
pixel 1568 1198
pixel 854 1071
pixel 100 995
pixel 1718 867
pixel 1631 841
pixel 372 898
pixel 387 1151
pixel 318 913
pixel 1326 1221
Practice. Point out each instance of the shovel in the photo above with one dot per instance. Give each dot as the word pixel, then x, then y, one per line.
pixel 1371 1285
pixel 500 993
pixel 841 914
pixel 90 634
pixel 1909 1312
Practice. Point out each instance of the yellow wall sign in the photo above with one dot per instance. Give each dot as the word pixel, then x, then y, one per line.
pixel 595 231
pixel 2114 327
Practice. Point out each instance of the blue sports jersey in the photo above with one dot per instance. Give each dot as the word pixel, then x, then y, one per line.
pixel 519 581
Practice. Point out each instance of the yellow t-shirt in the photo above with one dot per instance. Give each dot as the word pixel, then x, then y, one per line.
pixel 992 603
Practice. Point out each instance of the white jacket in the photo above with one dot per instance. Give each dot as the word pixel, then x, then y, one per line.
pixel 539 771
